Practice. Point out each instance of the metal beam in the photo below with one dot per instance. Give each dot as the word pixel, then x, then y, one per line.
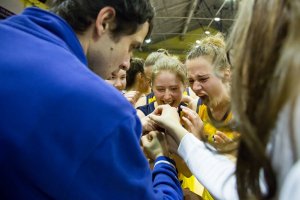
pixel 171 51
pixel 188 20
pixel 216 14
pixel 172 7
pixel 192 18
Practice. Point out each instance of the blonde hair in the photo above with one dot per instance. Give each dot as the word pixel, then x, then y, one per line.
pixel 265 79
pixel 213 47
pixel 154 56
pixel 172 65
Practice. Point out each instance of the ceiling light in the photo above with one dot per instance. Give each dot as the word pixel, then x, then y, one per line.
pixel 207 32
pixel 217 19
pixel 148 40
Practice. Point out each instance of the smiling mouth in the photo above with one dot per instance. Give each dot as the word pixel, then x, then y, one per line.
pixel 170 103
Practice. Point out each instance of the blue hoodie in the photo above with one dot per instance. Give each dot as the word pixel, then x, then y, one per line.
pixel 65 133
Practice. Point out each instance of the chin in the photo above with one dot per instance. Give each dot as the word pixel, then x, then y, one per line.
pixel 175 105
pixel 205 100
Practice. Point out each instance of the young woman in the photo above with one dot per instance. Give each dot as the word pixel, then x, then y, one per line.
pixel 148 65
pixel 118 79
pixel 138 85
pixel 209 76
pixel 168 83
pixel 265 96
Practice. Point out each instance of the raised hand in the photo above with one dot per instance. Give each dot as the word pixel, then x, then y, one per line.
pixel 154 145
pixel 132 96
pixel 167 118
pixel 192 122
pixel 149 125
pixel 225 144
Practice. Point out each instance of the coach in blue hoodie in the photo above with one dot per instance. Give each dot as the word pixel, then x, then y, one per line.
pixel 65 133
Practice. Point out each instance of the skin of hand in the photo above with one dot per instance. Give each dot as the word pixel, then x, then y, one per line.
pixel 190 101
pixel 192 122
pixel 172 144
pixel 154 144
pixel 225 144
pixel 132 96
pixel 190 195
pixel 149 125
pixel 167 118
pixel 187 99
pixel 221 138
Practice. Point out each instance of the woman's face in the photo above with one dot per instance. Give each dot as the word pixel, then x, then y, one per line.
pixel 167 88
pixel 205 83
pixel 118 79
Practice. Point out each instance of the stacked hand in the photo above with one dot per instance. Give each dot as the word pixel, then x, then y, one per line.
pixel 149 125
pixel 132 96
pixel 225 144
pixel 192 122
pixel 154 144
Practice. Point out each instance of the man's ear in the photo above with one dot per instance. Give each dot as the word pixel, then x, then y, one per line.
pixel 105 20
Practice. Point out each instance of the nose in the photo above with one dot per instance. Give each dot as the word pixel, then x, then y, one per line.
pixel 167 95
pixel 196 86
pixel 126 64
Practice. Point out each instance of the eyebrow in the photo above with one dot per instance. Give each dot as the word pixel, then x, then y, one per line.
pixel 203 76
pixel 199 76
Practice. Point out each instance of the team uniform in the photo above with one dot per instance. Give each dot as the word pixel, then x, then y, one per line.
pixel 226 126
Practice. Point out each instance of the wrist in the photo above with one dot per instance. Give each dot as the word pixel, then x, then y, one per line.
pixel 164 154
pixel 179 132
pixel 160 154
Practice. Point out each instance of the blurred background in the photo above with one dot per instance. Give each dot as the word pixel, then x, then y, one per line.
pixel 178 24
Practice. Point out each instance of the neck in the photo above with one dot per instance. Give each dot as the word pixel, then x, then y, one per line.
pixel 220 111
pixel 134 87
pixel 84 39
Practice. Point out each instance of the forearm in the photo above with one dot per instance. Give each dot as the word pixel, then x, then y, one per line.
pixel 213 170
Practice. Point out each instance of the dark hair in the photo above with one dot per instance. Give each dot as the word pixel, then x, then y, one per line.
pixel 129 14
pixel 136 66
